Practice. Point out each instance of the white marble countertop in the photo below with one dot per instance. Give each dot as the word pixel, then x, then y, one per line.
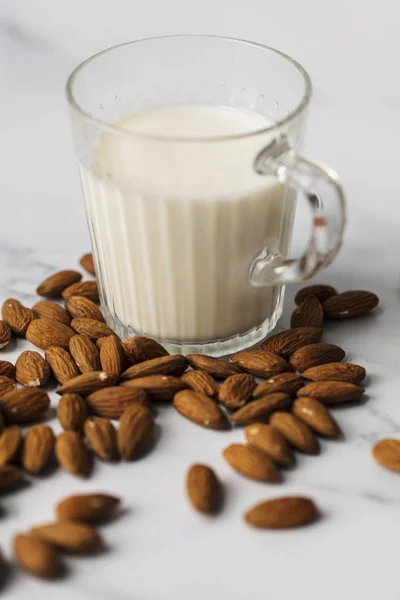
pixel 159 548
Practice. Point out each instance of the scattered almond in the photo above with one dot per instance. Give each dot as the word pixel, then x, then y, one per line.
pixel 160 387
pixel 61 363
pixel 7 369
pixel 102 437
pixel 72 412
pixel 50 310
pixel 217 367
pixel 251 462
pixel 69 536
pixel 72 454
pixel 315 354
pixel 316 416
pixel 87 289
pixel 37 448
pixel 322 292
pixel 17 316
pixel 336 371
pixel 86 507
pixel 347 305
pixel 386 452
pixel 6 385
pixel 84 353
pixel 269 440
pixel 140 348
pixel 308 314
pixel 32 369
pixel 259 363
pixel 92 328
pixel 24 405
pixel 287 342
pixel 200 409
pixel 200 381
pixel 331 392
pixel 87 263
pixel 286 383
pixel 80 307
pixel 112 401
pixel 261 409
pixel 10 476
pixel 5 334
pixel 296 432
pixel 45 333
pixel 135 431
pixel 10 441
pixel 173 364
pixel 55 284
pixel 237 390
pixel 203 489
pixel 112 355
pixel 36 557
pixel 281 513
pixel 87 383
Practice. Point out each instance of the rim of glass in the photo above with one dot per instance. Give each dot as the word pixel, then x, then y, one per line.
pixel 116 129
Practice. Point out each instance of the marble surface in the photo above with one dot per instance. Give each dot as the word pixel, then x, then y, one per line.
pixel 158 548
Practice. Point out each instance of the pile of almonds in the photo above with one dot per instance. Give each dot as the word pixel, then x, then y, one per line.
pixel 103 379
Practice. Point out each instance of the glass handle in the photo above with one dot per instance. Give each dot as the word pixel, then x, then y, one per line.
pixel 326 197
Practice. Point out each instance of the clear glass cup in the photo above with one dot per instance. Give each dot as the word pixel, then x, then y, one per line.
pixel 191 233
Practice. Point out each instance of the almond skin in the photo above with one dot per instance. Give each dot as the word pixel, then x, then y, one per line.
pixel 36 557
pixel 50 310
pixel 72 412
pixel 331 392
pixel 61 363
pixel 10 441
pixel 237 390
pixel 140 348
pixel 92 328
pixel 7 369
pixel 112 355
pixel 160 387
pixel 87 383
pixel 6 385
pixel 286 383
pixel 316 416
pixel 10 477
pixel 72 454
pixel 269 440
pixel 287 342
pixel 32 370
pixel 387 453
pixel 259 363
pixel 336 371
pixel 173 364
pixel 351 304
pixel 80 307
pixel 308 314
pixel 321 291
pixel 281 513
pixel 24 405
pixel 86 507
pixel 87 263
pixel 84 353
pixel 56 283
pixel 261 409
pixel 315 354
pixel 102 437
pixel 200 409
pixel 296 432
pixel 17 316
pixel 5 334
pixel 213 366
pixel 45 333
pixel 111 402
pixel 135 431
pixel 87 289
pixel 69 536
pixel 37 448
pixel 200 381
pixel 251 462
pixel 203 489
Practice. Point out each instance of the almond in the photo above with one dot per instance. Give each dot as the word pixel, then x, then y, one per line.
pixel 72 454
pixel 112 355
pixel 261 409
pixel 200 381
pixel 259 363
pixel 160 387
pixel 17 316
pixel 87 289
pixel 6 385
pixel 237 390
pixel 86 507
pixel 10 441
pixel 308 314
pixel 316 416
pixel 55 284
pixel 347 305
pixel 269 440
pixel 135 431
pixel 36 557
pixel 386 452
pixel 5 334
pixel 69 536
pixel 287 383
pixel 203 489
pixel 296 432
pixel 287 342
pixel 281 513
pixel 200 409
pixel 217 367
pixel 80 307
pixel 50 310
pixel 336 371
pixel 72 412
pixel 32 369
pixel 112 401
pixel 10 476
pixel 2 421
pixel 37 448
pixel 322 292
pixel 87 263
pixel 315 354
pixel 102 437
pixel 331 392
pixel 173 364
pixel 92 328
pixel 7 369
pixel 84 353
pixel 251 462
pixel 87 383
pixel 45 333
pixel 61 364
pixel 140 348
pixel 24 405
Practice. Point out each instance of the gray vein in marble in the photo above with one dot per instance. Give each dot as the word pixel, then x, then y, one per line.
pixel 20 36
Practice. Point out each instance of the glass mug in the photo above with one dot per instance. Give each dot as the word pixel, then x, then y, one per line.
pixel 188 156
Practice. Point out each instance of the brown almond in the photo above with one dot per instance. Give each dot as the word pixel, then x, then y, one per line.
pixel 111 402
pixel 259 363
pixel 37 448
pixel 316 416
pixel 36 557
pixel 45 333
pixel 321 291
pixel 72 454
pixel 6 385
pixel 72 412
pixel 173 364
pixel 87 289
pixel 61 363
pixel 102 437
pixel 140 348
pixel 347 305
pixel 281 513
pixel 50 310
pixel 336 371
pixel 17 316
pixel 92 328
pixel 200 409
pixel 308 314
pixel 80 307
pixel 32 370
pixel 84 353
pixel 160 387
pixel 269 440
pixel 287 342
pixel 387 453
pixel 5 334
pixel 87 383
pixel 217 367
pixel 315 354
pixel 135 431
pixel 86 507
pixel 69 536
pixel 237 390
pixel 24 405
pixel 261 409
pixel 112 355
pixel 87 263
pixel 203 489
pixel 296 432
pixel 56 283
pixel 10 477
pixel 286 383
pixel 200 381
pixel 10 441
pixel 7 369
pixel 331 392
pixel 251 462
pixel 2 421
